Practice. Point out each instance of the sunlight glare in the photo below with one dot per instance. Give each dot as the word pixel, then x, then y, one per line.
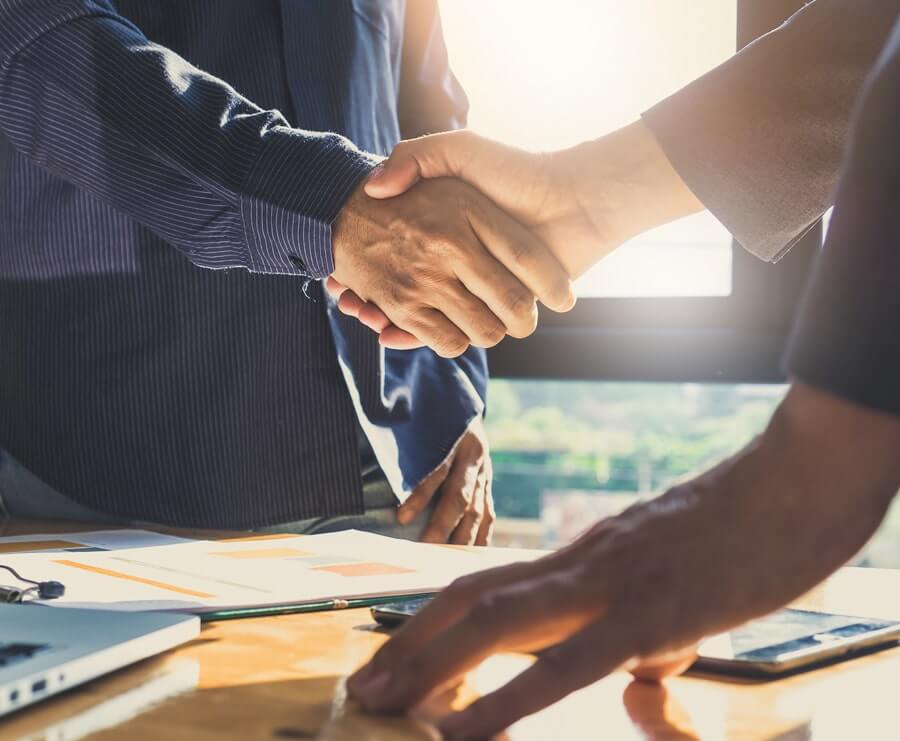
pixel 544 76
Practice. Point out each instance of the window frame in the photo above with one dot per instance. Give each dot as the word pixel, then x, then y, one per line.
pixel 738 338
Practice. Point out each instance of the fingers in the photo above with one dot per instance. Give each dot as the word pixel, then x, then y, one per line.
pixel 394 338
pixel 443 611
pixel 486 529
pixel 504 295
pixel 334 288
pixel 451 154
pixel 668 664
pixel 583 659
pixel 349 303
pixel 464 310
pixel 421 496
pixel 371 316
pixel 523 255
pixel 394 176
pixel 428 157
pixel 352 305
pixel 472 316
pixel 532 612
pixel 469 525
pixel 461 308
pixel 456 496
pixel 433 329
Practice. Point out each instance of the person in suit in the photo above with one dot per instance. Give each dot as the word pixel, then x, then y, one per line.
pixel 639 590
pixel 176 178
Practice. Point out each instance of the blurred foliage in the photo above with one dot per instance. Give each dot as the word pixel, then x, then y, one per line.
pixel 613 437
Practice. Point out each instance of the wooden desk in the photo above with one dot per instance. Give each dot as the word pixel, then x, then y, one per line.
pixel 282 678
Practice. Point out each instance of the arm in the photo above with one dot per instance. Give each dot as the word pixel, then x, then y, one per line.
pixel 86 95
pixel 846 336
pixel 760 139
pixel 757 141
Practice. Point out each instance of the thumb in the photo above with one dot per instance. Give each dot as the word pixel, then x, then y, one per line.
pixel 435 156
pixel 393 177
pixel 394 338
pixel 422 494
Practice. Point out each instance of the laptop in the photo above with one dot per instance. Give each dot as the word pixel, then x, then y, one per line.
pixel 47 650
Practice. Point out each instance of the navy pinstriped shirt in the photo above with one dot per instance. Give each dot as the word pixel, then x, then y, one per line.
pixel 169 172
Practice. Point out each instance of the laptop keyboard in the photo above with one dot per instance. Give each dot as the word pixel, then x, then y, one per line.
pixel 13 653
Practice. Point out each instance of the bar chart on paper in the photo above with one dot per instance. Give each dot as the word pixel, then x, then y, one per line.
pixel 142 570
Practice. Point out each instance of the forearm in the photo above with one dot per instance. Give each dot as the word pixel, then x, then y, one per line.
pixel 845 337
pixel 625 184
pixel 85 95
pixel 768 524
pixel 821 478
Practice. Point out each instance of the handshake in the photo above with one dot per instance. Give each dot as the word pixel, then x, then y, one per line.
pixel 454 239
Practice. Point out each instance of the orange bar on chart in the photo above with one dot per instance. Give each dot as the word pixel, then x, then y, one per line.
pixel 138 579
pixel 365 569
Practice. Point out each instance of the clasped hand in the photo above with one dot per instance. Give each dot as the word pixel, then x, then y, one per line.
pixel 453 237
pixel 444 264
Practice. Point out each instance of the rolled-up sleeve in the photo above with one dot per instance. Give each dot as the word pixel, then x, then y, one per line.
pixel 85 95
pixel 759 140
pixel 847 335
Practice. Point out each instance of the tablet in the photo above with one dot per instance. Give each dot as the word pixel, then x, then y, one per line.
pixel 790 640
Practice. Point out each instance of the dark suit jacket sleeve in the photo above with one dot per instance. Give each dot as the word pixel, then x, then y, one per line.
pixel 85 95
pixel 847 336
pixel 759 139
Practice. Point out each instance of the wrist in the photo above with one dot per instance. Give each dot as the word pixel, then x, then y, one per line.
pixel 625 184
pixel 288 207
pixel 354 225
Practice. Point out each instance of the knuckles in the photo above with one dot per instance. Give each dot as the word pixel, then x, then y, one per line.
pixel 492 335
pixel 452 348
pixel 524 307
pixel 462 589
pixel 561 294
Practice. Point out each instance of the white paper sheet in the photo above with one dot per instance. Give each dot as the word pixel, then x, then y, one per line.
pixel 141 570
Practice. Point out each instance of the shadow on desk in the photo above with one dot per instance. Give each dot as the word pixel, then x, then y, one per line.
pixel 657 715
pixel 165 699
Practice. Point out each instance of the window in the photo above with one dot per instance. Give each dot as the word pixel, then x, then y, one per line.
pixel 567 453
pixel 679 303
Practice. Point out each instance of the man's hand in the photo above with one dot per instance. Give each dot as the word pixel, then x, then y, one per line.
pixel 445 264
pixel 539 190
pixel 639 590
pixel 464 513
pixel 582 203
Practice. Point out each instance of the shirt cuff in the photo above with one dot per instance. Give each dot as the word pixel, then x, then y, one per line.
pixel 294 192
